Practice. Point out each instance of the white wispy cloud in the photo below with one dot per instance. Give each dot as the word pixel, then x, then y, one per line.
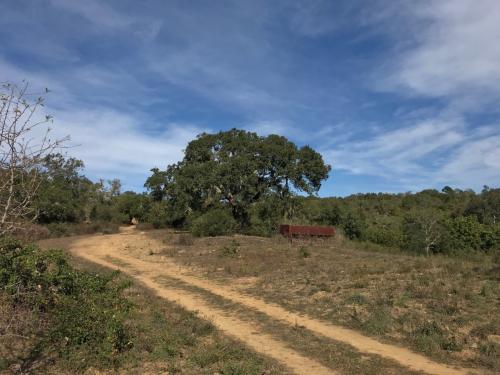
pixel 40 80
pixel 476 163
pixel 264 64
pixel 96 12
pixel 454 56
pixel 397 153
pixel 314 18
pixel 457 53
pixel 220 54
pixel 105 17
pixel 426 154
pixel 114 144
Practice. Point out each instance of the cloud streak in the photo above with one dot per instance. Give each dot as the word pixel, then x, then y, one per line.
pixel 403 91
pixel 428 154
pixel 456 54
pixel 113 144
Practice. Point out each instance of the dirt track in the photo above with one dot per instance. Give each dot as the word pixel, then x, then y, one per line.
pixel 103 249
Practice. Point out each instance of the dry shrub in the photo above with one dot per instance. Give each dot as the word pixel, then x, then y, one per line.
pixel 145 226
pixel 32 232
pixel 184 240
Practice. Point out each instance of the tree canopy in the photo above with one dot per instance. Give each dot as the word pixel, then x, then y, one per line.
pixel 236 168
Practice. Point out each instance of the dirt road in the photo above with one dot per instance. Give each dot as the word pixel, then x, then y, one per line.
pixel 114 251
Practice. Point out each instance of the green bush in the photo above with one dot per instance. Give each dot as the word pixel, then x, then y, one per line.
pixel 462 234
pixel 378 322
pixel 384 235
pixel 82 314
pixel 108 212
pixel 422 231
pixel 490 237
pixel 353 227
pixel 59 229
pixel 330 215
pixel 158 215
pixel 131 205
pixel 216 222
pixel 230 250
pixel 429 338
pixel 265 217
pixel 304 252
pixel 71 229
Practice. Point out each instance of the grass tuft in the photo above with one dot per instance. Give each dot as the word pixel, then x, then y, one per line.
pixel 304 252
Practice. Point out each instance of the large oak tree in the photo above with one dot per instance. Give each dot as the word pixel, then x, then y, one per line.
pixel 236 168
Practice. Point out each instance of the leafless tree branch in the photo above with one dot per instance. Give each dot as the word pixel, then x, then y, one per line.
pixel 24 143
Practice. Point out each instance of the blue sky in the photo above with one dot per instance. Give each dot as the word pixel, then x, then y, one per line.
pixel 397 96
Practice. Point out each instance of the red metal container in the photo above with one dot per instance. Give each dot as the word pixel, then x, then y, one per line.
pixel 306 230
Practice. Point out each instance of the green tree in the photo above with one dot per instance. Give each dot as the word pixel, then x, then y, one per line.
pixel 462 234
pixel 235 169
pixel 216 222
pixel 64 192
pixel 157 184
pixel 422 230
pixel 353 226
pixel 485 206
pixel 132 205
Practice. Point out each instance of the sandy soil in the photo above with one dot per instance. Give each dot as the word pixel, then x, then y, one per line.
pixel 124 248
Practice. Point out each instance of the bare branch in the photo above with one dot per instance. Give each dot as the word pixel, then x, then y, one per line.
pixel 21 154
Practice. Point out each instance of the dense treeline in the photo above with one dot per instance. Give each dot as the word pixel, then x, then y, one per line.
pixel 230 181
pixel 236 181
pixel 430 221
pixel 67 202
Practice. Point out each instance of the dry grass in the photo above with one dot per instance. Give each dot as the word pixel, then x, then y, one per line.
pixel 18 326
pixel 330 353
pixel 446 308
pixel 166 340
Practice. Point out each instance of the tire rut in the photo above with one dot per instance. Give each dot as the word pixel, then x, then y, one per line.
pixel 95 248
pixel 249 334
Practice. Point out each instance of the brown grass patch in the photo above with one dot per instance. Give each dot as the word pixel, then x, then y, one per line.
pixel 443 307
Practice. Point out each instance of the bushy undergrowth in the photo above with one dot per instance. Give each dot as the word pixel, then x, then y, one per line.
pixel 430 337
pixel 451 222
pixel 216 222
pixel 34 232
pixel 68 229
pixel 230 250
pixel 82 314
pixel 55 318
